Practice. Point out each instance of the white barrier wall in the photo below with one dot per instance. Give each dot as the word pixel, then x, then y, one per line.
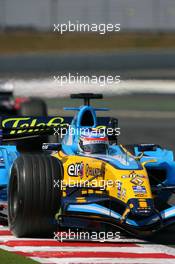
pixel 132 14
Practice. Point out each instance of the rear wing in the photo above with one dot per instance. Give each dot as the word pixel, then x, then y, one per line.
pixel 15 127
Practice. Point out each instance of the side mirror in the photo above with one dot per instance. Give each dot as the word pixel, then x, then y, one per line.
pixel 113 124
pixel 147 147
pixel 139 156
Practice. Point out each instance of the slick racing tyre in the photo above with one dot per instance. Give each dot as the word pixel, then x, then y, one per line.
pixel 33 107
pixel 33 198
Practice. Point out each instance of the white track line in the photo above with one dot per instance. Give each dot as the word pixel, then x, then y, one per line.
pixel 12 238
pixel 133 249
pixel 3 228
pixel 103 260
pixel 158 248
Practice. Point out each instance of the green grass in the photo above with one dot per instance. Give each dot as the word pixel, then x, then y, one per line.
pixel 21 41
pixel 12 258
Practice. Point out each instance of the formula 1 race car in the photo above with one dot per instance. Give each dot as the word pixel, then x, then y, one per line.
pixel 89 181
pixel 21 105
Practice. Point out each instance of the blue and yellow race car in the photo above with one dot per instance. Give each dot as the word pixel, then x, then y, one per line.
pixel 87 180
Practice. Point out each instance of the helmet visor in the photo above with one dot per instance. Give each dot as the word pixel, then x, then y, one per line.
pixel 95 148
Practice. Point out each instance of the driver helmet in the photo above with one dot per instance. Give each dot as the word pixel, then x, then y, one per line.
pixel 93 143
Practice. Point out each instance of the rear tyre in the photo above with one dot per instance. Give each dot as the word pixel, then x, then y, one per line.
pixel 33 200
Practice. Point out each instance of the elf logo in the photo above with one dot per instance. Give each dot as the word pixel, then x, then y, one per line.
pixel 75 169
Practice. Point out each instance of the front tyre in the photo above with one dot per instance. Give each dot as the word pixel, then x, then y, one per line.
pixel 33 200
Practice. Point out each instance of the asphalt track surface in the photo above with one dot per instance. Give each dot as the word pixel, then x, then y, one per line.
pixel 148 130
